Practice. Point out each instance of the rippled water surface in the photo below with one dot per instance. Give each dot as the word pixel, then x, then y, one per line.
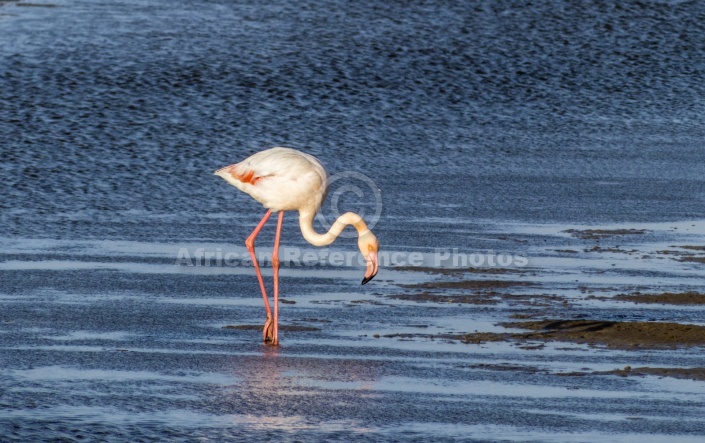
pixel 487 126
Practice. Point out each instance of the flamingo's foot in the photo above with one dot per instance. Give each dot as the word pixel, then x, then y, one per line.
pixel 268 333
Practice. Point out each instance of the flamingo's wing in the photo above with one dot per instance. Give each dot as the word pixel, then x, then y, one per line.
pixel 247 175
pixel 243 173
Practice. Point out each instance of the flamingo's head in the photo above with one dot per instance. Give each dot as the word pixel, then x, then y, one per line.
pixel 369 246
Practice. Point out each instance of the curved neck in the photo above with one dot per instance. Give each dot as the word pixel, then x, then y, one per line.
pixel 316 239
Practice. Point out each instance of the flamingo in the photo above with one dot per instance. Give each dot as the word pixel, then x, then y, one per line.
pixel 284 179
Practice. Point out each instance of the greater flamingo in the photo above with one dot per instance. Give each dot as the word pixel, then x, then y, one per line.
pixel 284 179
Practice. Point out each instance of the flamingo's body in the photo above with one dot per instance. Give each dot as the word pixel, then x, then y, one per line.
pixel 284 179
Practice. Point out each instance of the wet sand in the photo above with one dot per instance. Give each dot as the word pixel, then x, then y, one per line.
pixel 622 335
pixel 667 298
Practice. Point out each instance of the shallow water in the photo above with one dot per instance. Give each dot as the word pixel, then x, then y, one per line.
pixel 110 348
pixel 490 128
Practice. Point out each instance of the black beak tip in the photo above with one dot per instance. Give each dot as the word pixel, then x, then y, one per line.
pixel 366 279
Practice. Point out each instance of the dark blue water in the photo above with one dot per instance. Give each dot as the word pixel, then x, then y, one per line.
pixel 464 114
pixel 114 115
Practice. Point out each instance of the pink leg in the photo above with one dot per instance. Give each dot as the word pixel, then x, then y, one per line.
pixel 250 244
pixel 275 268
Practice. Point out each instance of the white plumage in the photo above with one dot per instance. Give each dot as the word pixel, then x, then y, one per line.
pixel 282 179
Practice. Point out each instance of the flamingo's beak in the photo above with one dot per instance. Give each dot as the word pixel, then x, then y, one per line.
pixel 372 267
